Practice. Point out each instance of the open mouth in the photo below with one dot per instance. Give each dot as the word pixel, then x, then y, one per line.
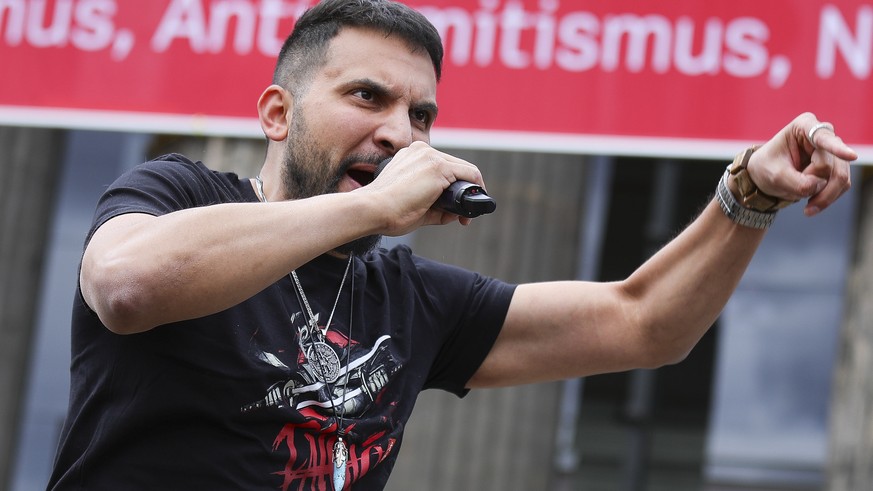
pixel 361 176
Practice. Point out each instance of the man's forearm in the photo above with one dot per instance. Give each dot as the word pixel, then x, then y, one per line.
pixel 142 271
pixel 684 287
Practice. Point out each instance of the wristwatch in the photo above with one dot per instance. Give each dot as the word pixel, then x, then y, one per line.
pixel 754 208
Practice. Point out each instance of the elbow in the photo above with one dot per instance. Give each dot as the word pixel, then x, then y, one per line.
pixel 120 300
pixel 657 339
pixel 665 357
pixel 665 347
pixel 656 346
pixel 121 311
pixel 654 358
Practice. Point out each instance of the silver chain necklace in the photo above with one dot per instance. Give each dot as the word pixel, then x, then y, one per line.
pixel 327 362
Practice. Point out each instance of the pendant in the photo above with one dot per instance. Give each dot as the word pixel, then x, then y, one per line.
pixel 340 454
pixel 325 362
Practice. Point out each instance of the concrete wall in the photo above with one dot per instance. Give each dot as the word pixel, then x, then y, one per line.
pixel 851 430
pixel 29 161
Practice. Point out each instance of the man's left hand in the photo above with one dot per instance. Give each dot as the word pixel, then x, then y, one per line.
pixel 806 160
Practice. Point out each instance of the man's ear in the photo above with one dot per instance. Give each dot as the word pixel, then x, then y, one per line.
pixel 274 112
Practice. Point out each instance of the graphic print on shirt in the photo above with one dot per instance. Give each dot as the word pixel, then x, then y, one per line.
pixel 342 381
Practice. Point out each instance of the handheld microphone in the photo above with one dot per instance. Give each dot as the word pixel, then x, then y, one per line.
pixel 461 197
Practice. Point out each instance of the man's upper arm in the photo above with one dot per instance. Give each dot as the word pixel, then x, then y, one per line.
pixel 559 330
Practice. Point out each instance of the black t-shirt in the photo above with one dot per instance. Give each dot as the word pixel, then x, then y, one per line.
pixel 231 400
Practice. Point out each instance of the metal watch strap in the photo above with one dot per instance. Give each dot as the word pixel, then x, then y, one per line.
pixel 737 212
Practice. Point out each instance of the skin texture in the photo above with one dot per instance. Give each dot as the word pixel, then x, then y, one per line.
pixel 376 98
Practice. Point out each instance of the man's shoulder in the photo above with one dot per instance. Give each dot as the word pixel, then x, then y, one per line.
pixel 402 259
pixel 175 162
pixel 182 170
pixel 175 158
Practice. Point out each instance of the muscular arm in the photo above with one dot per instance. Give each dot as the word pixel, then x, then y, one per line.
pixel 655 317
pixel 140 271
pixel 652 318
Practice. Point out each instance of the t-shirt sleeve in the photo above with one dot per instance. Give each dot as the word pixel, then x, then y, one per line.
pixel 477 306
pixel 157 187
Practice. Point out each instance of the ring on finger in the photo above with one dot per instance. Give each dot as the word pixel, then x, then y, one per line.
pixel 811 134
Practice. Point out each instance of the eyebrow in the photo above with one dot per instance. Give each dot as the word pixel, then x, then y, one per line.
pixel 380 90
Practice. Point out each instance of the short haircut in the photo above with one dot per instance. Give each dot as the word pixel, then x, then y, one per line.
pixel 305 49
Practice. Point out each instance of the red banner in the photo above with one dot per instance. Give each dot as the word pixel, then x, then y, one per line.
pixel 618 76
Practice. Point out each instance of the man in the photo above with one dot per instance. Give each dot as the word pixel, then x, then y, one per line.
pixel 242 333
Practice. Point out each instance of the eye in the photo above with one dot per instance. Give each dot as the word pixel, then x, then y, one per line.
pixel 422 116
pixel 364 94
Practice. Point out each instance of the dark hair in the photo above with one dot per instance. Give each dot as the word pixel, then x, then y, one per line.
pixel 305 49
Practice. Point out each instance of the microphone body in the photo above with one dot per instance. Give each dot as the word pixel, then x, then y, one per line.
pixel 461 198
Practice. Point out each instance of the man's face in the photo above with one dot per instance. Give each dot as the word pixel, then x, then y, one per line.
pixel 372 97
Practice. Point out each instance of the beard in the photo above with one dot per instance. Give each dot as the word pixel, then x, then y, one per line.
pixel 307 172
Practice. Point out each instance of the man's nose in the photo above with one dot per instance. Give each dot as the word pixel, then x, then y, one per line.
pixel 394 131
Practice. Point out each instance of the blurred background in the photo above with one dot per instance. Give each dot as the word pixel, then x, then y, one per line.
pixel 601 129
